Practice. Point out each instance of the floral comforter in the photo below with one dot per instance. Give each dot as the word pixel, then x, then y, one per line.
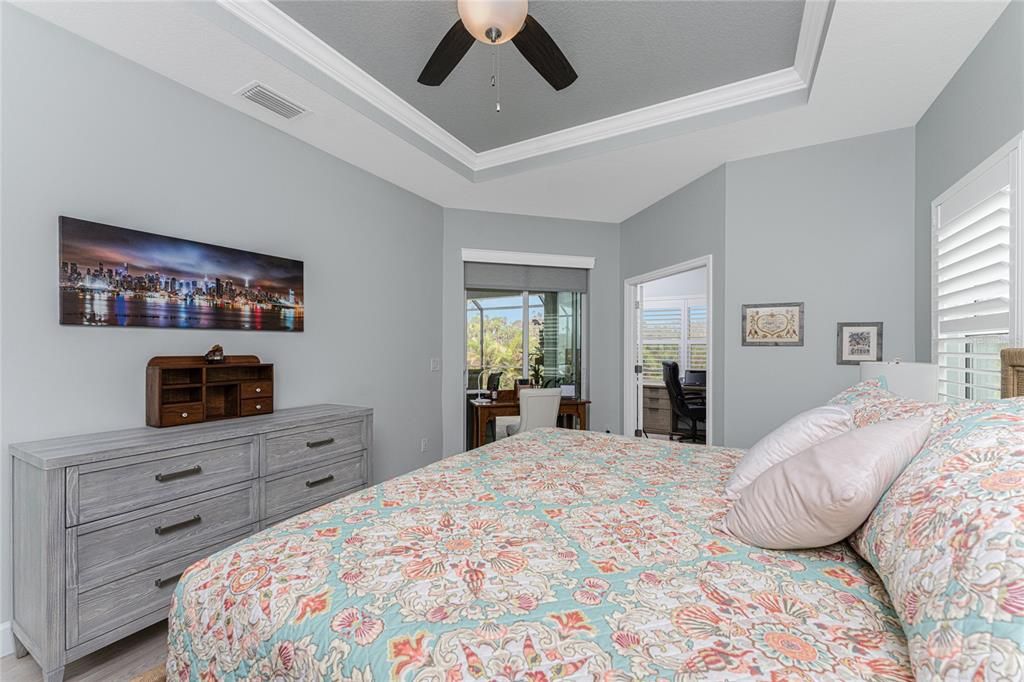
pixel 552 555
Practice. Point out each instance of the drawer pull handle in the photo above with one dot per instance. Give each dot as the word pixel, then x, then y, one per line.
pixel 259 390
pixel 258 406
pixel 320 481
pixel 184 415
pixel 319 443
pixel 160 530
pixel 191 471
pixel 160 582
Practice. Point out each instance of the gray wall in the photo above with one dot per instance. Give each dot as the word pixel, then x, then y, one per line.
pixel 88 134
pixel 687 224
pixel 832 226
pixel 481 230
pixel 979 111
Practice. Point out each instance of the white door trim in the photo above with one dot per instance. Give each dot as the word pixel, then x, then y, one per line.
pixel 630 331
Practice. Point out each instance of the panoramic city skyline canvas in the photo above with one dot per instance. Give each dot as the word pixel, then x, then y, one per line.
pixel 115 276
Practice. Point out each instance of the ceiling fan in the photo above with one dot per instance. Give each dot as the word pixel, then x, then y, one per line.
pixel 494 22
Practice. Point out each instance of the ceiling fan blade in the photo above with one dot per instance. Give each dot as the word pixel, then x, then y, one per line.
pixel 543 54
pixel 452 48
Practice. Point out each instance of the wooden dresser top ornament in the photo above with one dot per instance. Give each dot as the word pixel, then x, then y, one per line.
pixel 188 389
pixel 215 354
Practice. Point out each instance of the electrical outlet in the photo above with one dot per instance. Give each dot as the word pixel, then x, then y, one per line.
pixel 424 442
pixel 435 364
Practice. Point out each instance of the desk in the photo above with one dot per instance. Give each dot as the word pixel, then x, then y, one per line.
pixel 480 415
pixel 657 407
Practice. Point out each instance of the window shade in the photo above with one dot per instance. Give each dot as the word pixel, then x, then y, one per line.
pixel 524 277
pixel 973 271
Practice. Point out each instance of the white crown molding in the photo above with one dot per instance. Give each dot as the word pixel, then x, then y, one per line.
pixel 549 260
pixel 754 89
pixel 271 22
pixel 813 25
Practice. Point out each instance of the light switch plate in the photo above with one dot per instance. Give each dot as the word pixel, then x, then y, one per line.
pixel 435 364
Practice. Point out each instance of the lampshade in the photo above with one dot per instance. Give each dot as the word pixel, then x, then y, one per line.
pixel 918 380
pixel 493 21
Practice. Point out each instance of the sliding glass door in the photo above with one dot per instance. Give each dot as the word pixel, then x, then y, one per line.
pixel 494 337
pixel 547 324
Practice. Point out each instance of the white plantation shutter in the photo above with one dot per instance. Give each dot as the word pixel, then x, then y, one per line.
pixel 673 329
pixel 975 273
pixel 696 335
pixel 662 334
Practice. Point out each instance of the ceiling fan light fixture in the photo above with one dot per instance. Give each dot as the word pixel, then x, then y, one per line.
pixel 493 22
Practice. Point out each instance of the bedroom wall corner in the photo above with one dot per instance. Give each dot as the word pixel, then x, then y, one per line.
pixel 506 232
pixel 89 134
pixel 687 224
pixel 979 110
pixel 831 225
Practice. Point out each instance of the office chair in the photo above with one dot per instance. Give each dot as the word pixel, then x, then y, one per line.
pixel 683 413
pixel 538 407
pixel 695 379
pixel 473 380
pixel 494 381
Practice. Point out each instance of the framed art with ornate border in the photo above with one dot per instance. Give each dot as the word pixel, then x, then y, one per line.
pixel 773 324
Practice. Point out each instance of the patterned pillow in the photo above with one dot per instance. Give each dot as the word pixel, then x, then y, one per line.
pixel 860 392
pixel 947 540
pixel 871 402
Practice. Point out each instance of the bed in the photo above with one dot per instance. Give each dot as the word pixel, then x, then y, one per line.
pixel 551 555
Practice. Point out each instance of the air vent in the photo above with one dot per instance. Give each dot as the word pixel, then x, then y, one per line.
pixel 268 99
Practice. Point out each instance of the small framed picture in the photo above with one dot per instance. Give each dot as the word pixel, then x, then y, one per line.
pixel 858 342
pixel 773 324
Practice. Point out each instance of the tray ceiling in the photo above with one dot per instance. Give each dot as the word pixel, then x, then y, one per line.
pixel 879 68
pixel 628 55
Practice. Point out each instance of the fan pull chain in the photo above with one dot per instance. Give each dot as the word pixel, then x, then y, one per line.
pixel 496 77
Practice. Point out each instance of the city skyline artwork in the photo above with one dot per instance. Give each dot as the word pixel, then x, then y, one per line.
pixel 114 276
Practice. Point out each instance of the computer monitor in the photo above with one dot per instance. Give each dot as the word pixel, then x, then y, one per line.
pixel 695 377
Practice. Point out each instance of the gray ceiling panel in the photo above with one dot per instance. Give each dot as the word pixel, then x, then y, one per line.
pixel 628 53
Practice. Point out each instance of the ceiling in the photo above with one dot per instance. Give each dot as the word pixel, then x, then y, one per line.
pixel 627 54
pixel 881 65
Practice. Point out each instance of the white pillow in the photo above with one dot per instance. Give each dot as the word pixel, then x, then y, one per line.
pixel 799 433
pixel 824 493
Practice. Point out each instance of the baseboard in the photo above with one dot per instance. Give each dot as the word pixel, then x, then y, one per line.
pixel 6 639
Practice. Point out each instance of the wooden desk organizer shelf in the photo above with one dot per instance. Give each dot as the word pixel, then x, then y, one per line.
pixel 187 389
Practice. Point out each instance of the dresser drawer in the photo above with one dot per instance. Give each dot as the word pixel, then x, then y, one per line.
pixel 257 389
pixel 257 406
pixel 183 413
pixel 96 491
pixel 309 446
pixel 128 543
pixel 322 483
pixel 295 511
pixel 92 613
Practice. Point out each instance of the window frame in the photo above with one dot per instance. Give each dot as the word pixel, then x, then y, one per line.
pixel 1011 152
pixel 525 307
pixel 683 305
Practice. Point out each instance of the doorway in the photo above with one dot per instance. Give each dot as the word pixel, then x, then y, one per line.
pixel 668 318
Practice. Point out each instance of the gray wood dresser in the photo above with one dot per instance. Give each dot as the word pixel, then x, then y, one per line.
pixel 104 524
